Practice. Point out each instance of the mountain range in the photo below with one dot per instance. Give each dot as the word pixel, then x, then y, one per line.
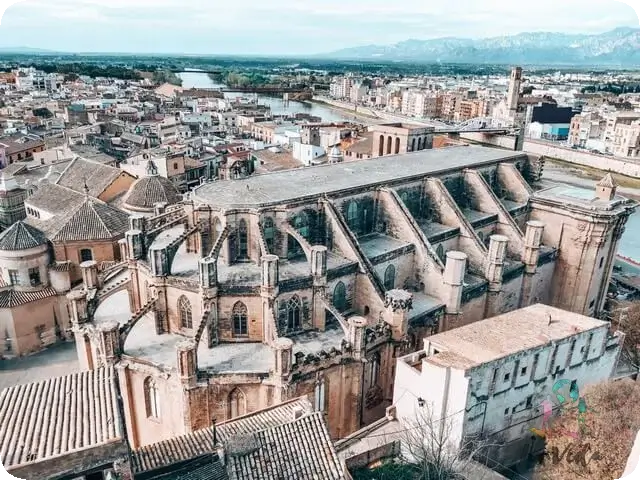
pixel 619 47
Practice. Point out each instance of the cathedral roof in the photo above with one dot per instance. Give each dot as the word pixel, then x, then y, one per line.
pixel 607 182
pixel 95 175
pixel 21 236
pixel 147 191
pixel 92 220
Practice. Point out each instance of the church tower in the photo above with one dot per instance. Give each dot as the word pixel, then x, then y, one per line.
pixel 585 226
pixel 514 92
pixel 12 199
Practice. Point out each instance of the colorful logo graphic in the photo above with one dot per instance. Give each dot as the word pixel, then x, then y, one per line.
pixel 575 400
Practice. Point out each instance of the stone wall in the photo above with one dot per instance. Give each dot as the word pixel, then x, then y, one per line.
pixel 601 162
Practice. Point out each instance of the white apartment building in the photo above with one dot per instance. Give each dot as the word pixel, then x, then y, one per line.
pixel 587 130
pixel 358 92
pixel 419 103
pixel 626 140
pixel 613 120
pixel 488 379
pixel 341 87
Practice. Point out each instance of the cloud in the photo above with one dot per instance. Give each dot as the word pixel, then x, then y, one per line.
pixel 286 26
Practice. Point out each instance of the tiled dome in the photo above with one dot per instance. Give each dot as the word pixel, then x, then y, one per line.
pixel 147 191
pixel 21 236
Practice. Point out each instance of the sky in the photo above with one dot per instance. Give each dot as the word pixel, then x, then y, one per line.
pixel 287 27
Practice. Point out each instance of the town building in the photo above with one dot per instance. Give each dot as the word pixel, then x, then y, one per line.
pixel 33 306
pixel 586 130
pixel 550 122
pixel 19 148
pixel 258 290
pixel 626 142
pixel 614 120
pixel 488 380
pixel 65 427
pixel 397 138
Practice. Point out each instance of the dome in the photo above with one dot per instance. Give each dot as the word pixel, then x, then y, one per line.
pixel 147 191
pixel 335 152
pixel 21 236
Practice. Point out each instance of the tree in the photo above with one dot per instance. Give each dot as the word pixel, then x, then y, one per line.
pixel 429 451
pixel 605 434
pixel 627 319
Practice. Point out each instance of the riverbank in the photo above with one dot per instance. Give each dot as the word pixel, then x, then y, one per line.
pixel 344 110
pixel 568 172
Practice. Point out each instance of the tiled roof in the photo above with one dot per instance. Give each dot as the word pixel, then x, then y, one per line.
pixel 607 182
pixel 96 176
pixel 13 298
pixel 57 416
pixel 301 449
pixel 21 236
pixel 93 220
pixel 200 442
pixel 147 191
pixel 54 199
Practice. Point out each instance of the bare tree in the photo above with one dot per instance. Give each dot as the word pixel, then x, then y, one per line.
pixel 430 446
pixel 626 317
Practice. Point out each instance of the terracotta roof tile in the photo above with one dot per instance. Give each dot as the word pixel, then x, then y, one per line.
pixel 13 298
pixel 47 419
pixel 93 220
pixel 97 176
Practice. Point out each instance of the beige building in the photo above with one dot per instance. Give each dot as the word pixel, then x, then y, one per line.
pixel 33 308
pixel 313 281
pixel 396 138
pixel 586 127
pixel 614 120
pixel 626 141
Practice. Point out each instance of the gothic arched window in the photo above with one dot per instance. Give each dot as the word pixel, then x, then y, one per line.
pixel 390 278
pixel 237 403
pixel 243 240
pixel 413 145
pixel 340 297
pixel 440 252
pixel 240 324
pixel 294 314
pixel 301 224
pixel 319 395
pixel 381 149
pixel 184 310
pixel 420 143
pixel 152 398
pixel 397 149
pixel 389 143
pixel 269 232
pixel 352 216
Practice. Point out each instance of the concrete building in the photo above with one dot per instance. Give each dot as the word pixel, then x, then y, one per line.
pixel 613 121
pixel 397 138
pixel 626 142
pixel 487 380
pixel 587 128
pixel 258 290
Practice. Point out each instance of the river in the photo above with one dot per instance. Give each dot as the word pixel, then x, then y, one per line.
pixel 196 79
pixel 629 245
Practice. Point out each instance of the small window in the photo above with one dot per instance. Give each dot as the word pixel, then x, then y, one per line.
pixel 582 349
pixel 175 165
pixel 320 396
pixel 506 412
pixel 523 371
pixel 86 255
pixel 592 303
pixel 34 277
pixel 507 376
pixel 601 262
pixel 529 401
pixel 14 279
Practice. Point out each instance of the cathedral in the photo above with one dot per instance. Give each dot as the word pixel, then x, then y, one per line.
pixel 313 281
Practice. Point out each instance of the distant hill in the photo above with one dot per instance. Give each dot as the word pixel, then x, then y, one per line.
pixel 619 47
pixel 25 51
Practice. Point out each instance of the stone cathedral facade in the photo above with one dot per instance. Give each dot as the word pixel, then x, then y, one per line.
pixel 313 281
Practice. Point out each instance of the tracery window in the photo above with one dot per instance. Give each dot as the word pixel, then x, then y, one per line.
pixel 184 310
pixel 240 324
pixel 294 313
pixel 152 398
pixel 237 403
pixel 340 297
